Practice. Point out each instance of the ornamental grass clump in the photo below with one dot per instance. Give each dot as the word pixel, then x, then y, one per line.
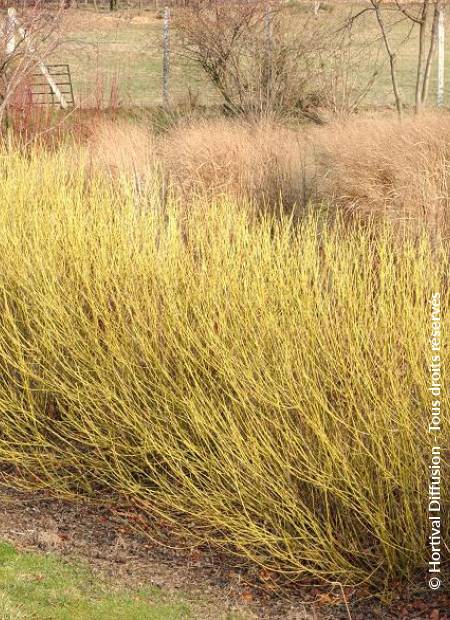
pixel 261 385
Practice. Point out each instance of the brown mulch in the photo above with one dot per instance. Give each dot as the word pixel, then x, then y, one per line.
pixel 106 536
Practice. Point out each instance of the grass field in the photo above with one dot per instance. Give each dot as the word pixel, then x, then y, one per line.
pixel 104 48
pixel 43 586
pixel 47 588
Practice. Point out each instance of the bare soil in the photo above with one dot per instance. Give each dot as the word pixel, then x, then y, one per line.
pixel 108 536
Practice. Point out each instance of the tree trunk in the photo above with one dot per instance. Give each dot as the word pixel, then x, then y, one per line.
pixel 441 59
pixel 166 56
pixel 420 56
pixel 431 50
pixel 392 57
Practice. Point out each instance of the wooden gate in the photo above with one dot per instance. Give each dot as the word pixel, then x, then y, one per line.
pixel 43 93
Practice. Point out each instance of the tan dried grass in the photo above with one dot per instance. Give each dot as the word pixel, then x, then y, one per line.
pixel 121 147
pixel 260 160
pixel 383 167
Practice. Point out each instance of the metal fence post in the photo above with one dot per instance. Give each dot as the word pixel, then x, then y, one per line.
pixel 166 56
pixel 441 56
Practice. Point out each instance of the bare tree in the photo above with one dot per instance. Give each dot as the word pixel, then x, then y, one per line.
pixel 253 56
pixel 25 44
pixel 259 59
pixel 422 19
pixel 216 37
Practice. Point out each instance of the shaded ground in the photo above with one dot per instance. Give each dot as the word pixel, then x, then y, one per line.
pixel 213 586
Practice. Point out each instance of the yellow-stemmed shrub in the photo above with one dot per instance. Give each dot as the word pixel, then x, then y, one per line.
pixel 260 384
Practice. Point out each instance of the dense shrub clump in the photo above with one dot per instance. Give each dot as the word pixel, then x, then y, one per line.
pixel 262 383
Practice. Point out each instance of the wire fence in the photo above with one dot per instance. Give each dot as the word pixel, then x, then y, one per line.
pixel 132 56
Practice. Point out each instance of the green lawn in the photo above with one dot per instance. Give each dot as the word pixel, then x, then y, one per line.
pixel 43 587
